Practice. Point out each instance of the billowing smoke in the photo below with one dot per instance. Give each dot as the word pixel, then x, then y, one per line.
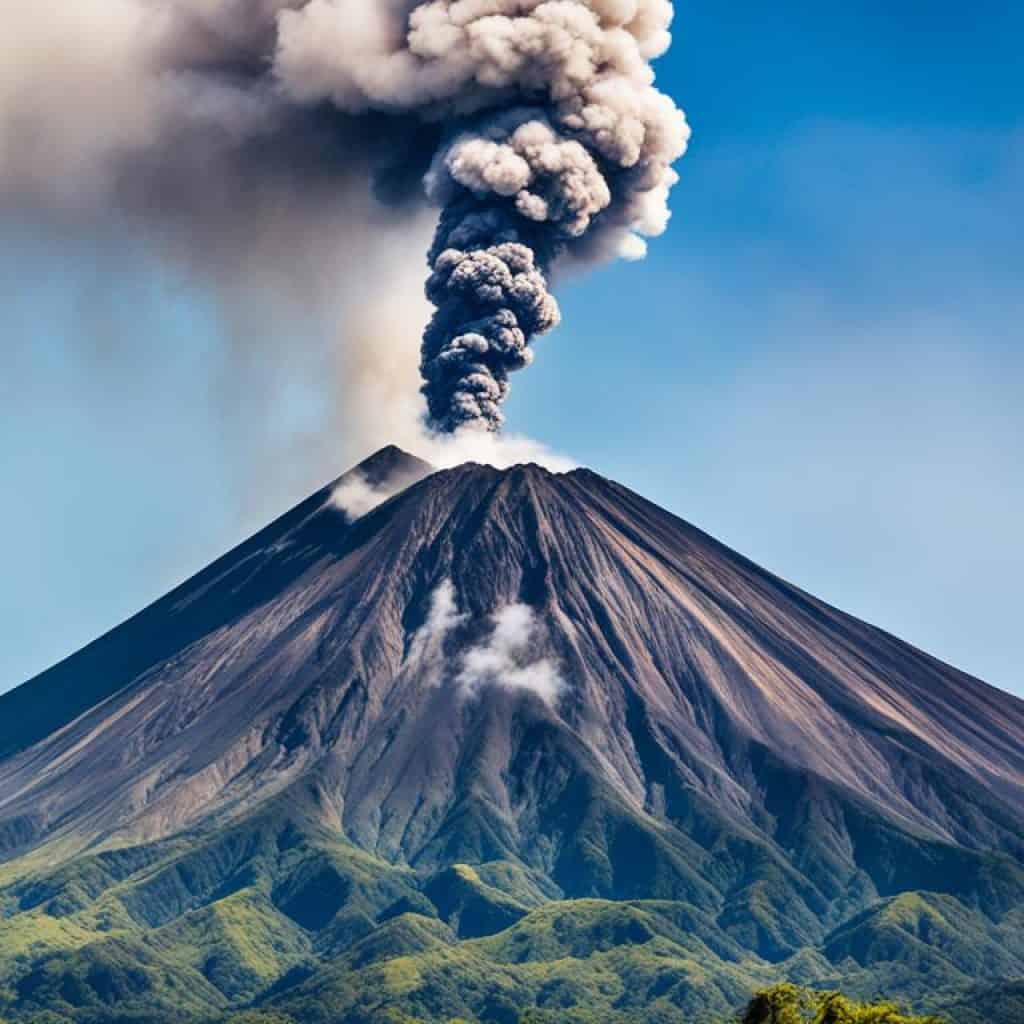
pixel 571 152
pixel 238 129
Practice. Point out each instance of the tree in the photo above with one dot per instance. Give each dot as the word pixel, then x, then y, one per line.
pixel 783 1004
pixel 788 1004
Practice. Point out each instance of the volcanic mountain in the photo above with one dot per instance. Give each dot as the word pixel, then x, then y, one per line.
pixel 417 757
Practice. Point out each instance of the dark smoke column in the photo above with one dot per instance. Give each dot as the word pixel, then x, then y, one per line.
pixel 574 159
pixel 492 298
pixel 516 192
pixel 552 143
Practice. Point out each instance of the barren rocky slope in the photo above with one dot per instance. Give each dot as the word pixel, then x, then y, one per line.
pixel 543 672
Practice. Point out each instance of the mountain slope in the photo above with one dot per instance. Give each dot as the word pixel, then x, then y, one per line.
pixel 540 675
pixel 241 580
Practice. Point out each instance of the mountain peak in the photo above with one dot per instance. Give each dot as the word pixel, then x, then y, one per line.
pixel 543 676
pixel 389 462
pixel 384 474
pixel 384 658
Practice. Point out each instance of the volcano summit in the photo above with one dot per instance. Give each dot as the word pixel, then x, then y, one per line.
pixel 508 741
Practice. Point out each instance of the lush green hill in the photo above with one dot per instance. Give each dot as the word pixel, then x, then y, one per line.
pixel 275 913
pixel 982 1004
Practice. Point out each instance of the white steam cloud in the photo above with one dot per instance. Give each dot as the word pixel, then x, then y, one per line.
pixel 355 495
pixel 427 651
pixel 509 658
pixel 269 144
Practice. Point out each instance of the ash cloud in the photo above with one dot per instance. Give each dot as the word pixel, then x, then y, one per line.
pixel 249 135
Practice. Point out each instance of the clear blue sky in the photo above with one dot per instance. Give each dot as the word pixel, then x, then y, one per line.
pixel 822 363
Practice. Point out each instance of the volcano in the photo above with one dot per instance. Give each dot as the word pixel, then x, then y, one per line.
pixel 507 741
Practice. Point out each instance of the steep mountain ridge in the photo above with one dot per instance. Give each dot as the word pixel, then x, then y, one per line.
pixel 541 675
pixel 669 640
pixel 240 580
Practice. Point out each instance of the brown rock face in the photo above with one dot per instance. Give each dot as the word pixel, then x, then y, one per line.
pixel 537 668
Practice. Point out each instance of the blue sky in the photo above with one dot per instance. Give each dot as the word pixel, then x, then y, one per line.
pixel 821 363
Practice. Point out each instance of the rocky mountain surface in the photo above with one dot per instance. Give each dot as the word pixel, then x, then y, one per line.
pixel 389 755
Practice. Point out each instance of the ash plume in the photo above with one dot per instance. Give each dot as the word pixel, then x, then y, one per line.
pixel 236 129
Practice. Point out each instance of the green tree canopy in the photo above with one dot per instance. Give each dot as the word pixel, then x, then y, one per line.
pixel 789 1004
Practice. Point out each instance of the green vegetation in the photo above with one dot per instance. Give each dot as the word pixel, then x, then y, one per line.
pixel 276 921
pixel 258 1017
pixel 469 905
pixel 984 1004
pixel 787 1004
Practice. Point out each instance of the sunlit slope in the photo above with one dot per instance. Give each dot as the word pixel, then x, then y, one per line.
pixel 279 778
